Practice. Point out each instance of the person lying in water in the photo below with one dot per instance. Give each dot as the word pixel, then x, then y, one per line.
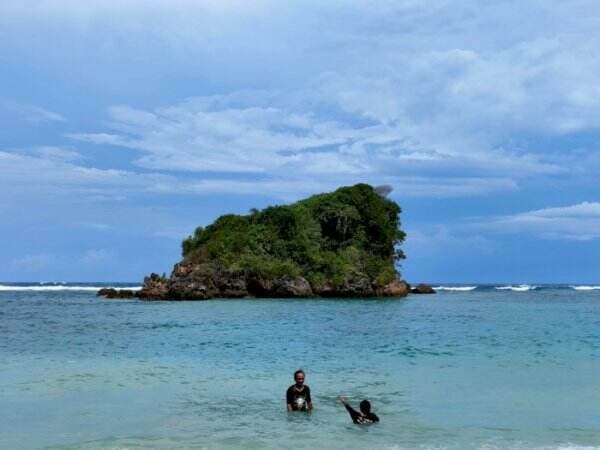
pixel 362 417
pixel 298 394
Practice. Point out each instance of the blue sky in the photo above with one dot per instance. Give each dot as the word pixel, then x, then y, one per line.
pixel 127 124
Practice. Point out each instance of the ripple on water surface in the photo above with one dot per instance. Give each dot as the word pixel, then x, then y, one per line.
pixel 478 368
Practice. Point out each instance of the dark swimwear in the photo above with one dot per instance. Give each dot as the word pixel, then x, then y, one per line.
pixel 298 399
pixel 361 419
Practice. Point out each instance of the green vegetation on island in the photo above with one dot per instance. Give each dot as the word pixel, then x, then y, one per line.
pixel 327 238
pixel 339 244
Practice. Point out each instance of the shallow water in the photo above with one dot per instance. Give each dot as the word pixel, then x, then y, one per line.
pixel 484 368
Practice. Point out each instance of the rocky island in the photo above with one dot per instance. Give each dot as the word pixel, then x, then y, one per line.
pixel 339 244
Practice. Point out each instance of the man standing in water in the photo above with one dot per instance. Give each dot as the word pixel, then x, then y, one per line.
pixel 298 395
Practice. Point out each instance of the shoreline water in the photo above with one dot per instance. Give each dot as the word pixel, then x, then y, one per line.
pixel 480 369
pixel 8 286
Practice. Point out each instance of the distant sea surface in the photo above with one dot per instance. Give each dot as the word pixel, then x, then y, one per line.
pixel 472 367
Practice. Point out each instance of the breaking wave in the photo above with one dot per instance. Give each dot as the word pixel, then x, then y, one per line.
pixel 519 288
pixel 586 288
pixel 59 287
pixel 455 288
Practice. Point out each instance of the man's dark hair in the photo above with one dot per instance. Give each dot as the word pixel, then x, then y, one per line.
pixel 365 407
pixel 298 372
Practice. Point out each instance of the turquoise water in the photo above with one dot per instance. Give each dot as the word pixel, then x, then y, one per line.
pixel 484 368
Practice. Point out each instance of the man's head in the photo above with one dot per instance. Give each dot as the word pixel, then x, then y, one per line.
pixel 365 407
pixel 299 377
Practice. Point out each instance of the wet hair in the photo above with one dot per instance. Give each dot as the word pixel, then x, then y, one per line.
pixel 298 372
pixel 365 407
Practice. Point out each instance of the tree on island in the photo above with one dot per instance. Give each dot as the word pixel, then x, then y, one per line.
pixel 342 243
pixel 333 236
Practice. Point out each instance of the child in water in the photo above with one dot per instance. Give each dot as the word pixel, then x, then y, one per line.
pixel 362 417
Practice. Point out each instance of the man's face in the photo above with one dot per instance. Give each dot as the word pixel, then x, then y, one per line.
pixel 300 379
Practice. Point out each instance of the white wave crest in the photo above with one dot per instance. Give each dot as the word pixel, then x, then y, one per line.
pixel 9 288
pixel 455 288
pixel 586 288
pixel 520 288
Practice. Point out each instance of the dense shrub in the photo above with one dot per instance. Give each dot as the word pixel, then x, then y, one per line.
pixel 333 237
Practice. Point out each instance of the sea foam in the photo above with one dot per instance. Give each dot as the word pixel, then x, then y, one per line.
pixel 519 288
pixel 45 288
pixel 455 288
pixel 586 288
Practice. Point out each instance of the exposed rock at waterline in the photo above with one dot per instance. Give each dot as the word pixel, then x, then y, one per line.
pixel 339 244
pixel 422 289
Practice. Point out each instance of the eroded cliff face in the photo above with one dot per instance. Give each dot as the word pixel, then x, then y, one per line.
pixel 191 281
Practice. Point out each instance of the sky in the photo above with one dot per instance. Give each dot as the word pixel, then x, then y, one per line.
pixel 126 124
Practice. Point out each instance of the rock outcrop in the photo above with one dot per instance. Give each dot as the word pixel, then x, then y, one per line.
pixel 282 287
pixel 187 284
pixel 339 244
pixel 116 293
pixel 396 288
pixel 155 286
pixel 422 289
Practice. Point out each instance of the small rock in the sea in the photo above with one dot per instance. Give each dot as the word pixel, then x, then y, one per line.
pixel 422 289
pixel 116 293
pixel 105 292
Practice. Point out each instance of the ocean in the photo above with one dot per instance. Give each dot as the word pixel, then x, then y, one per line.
pixel 471 367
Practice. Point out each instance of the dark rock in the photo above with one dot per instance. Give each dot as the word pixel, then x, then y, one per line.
pixel 233 288
pixel 116 293
pixel 355 287
pixel 397 288
pixel 422 289
pixel 191 290
pixel 284 287
pixel 192 282
pixel 259 287
pixel 358 287
pixel 291 287
pixel 155 287
pixel 201 281
pixel 105 292
pixel 230 284
pixel 122 293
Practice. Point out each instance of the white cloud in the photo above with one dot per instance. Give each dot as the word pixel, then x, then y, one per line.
pixel 398 92
pixel 44 173
pixel 575 222
pixel 69 9
pixel 286 143
pixel 57 153
pixel 33 113
pixel 47 172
